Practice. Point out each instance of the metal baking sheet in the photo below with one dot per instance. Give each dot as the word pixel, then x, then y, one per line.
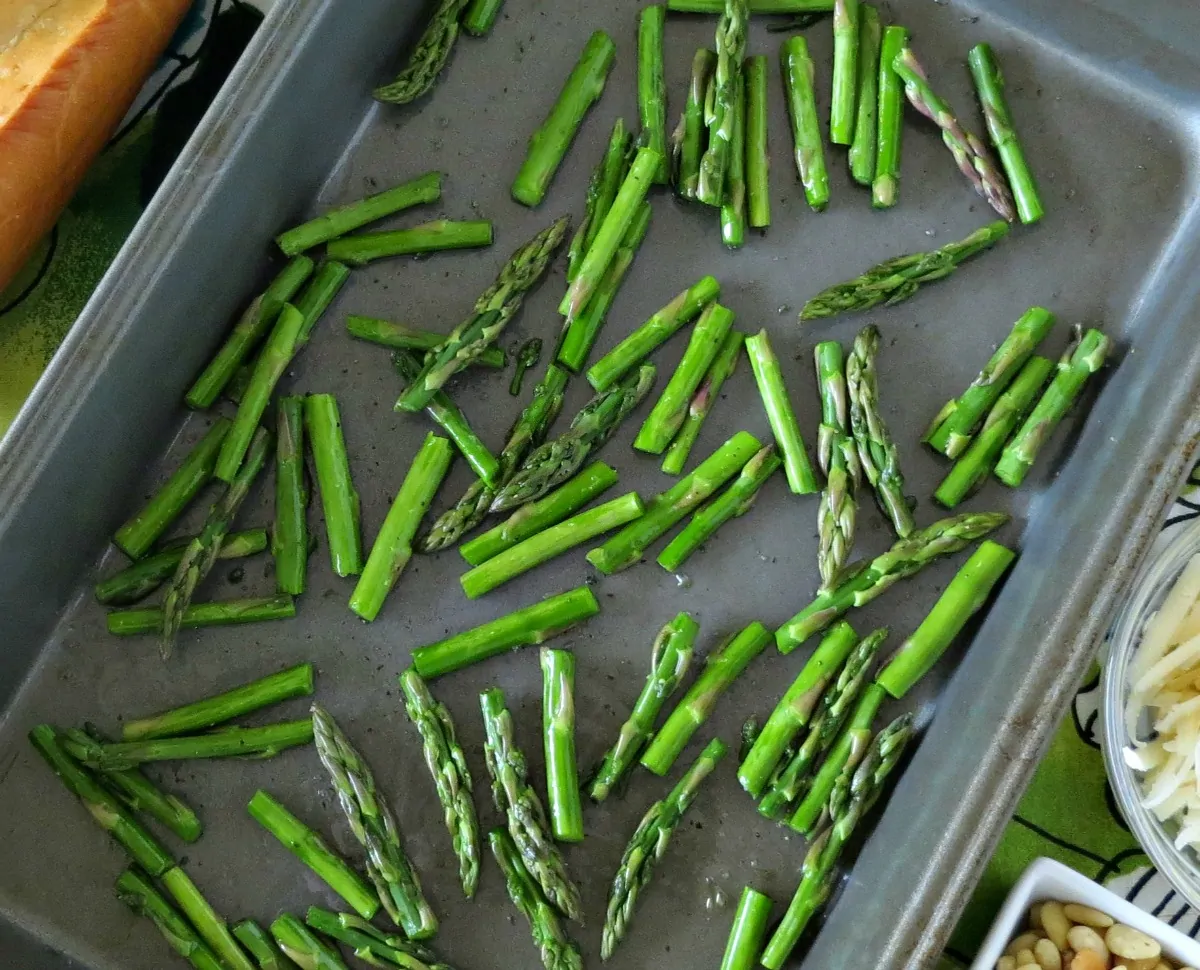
pixel 1107 108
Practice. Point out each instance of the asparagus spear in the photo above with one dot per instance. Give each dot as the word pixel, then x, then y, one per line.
pixel 758 162
pixel 711 187
pixel 312 850
pixel 493 311
pixel 837 455
pixel 251 327
pixel 556 461
pixel 448 765
pixel 370 944
pixel 691 134
pixel 289 538
pixel 557 950
pixel 480 16
pixel 549 543
pixel 260 945
pixel 137 535
pixel 428 58
pixel 527 357
pixel 863 145
pixel 374 826
pixel 1003 419
pixel 670 658
pixel 795 708
pixel 734 502
pixel 393 547
pixel 886 184
pixel 230 742
pixel 531 519
pixel 649 845
pixel 667 508
pixel 652 85
pixel 897 279
pixel 451 420
pixel 437 236
pixel 864 581
pixel 346 218
pixel 524 816
pixel 527 432
pixel 200 554
pixel 558 728
pixel 798 71
pixel 649 336
pixel 855 797
pixel 989 85
pixel 877 452
pixel 748 931
pixel 400 336
pixel 302 945
pixel 733 209
pixel 756 6
pixel 532 625
pixel 135 622
pixel 339 499
pixel 208 923
pixel 702 402
pixel 845 72
pixel 972 156
pixel 138 581
pixel 137 892
pixel 548 145
pixel 602 190
pixel 951 430
pixel 325 285
pixel 1083 358
pixel 769 377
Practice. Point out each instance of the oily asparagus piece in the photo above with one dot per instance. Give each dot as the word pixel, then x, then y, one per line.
pixel 863 144
pixel 558 729
pixel 230 742
pixel 795 708
pixel 733 209
pixel 691 134
pixel 649 844
pixel 400 336
pixel 252 326
pixel 557 950
pixel 303 946
pixel 374 826
pixel 102 805
pixel 531 519
pixel 952 429
pixel 961 600
pixel 1083 358
pixel 843 101
pixel 339 499
pixel 525 819
pixel 549 144
pixel 393 546
pixel 756 6
pixel 312 850
pixel 260 945
pixel 670 658
pixel 527 432
pixel 877 453
pixel 138 581
pixel 527 357
pixel 635 348
pixel 989 85
pixel 493 311
pixel 670 411
pixel 201 553
pixel 669 507
pixel 346 218
pixel 652 85
pixel 898 279
pixel 136 891
pixel 702 402
pixel 428 57
pixel 865 580
pixel 480 16
pixel 886 184
pixel 721 104
pixel 971 155
pixel 769 377
pixel 1003 419
pixel 370 944
pixel 136 622
pixel 855 795
pixel 758 192
pixel 437 236
pixel 451 777
pixel 289 538
pixel 837 454
pixel 550 543
pixel 525 627
pixel 326 283
pixel 748 931
pixel 138 535
pixel 209 924
pixel 798 74
pixel 840 700
pixel 602 190
pixel 556 461
pixel 734 502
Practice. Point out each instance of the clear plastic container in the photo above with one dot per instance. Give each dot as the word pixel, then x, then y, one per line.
pixel 1180 867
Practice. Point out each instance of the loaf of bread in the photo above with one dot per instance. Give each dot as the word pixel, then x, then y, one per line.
pixel 69 69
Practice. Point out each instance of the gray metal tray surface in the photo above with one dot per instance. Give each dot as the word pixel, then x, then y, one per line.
pixel 1107 107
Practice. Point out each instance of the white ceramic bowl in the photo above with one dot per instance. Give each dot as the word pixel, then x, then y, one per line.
pixel 1046 879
